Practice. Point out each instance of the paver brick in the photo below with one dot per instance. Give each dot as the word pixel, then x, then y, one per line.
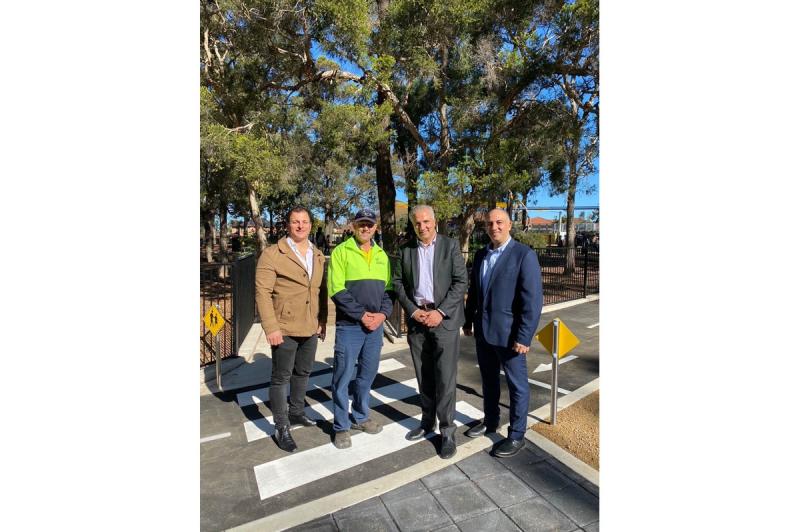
pixel 591 488
pixel 496 521
pixel 323 524
pixel 372 519
pixel 421 512
pixel 577 503
pixel 566 471
pixel 594 527
pixel 403 492
pixel 445 477
pixel 542 477
pixel 505 489
pixel 463 501
pixel 537 515
pixel 480 465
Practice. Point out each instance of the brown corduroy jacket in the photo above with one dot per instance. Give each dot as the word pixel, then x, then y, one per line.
pixel 287 299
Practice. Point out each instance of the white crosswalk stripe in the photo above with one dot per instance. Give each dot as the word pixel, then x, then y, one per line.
pixel 308 466
pixel 261 395
pixel 264 427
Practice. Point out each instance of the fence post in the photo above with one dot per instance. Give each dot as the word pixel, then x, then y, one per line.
pixel 585 268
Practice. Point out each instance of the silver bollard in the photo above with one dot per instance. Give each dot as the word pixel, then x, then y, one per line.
pixel 554 384
pixel 218 359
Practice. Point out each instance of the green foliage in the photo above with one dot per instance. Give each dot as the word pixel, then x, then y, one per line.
pixel 343 25
pixel 532 239
pixel 494 69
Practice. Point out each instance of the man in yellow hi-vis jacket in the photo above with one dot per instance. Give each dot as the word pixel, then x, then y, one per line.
pixel 359 282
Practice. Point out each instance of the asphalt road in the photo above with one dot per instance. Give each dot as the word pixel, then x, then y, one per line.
pixel 244 476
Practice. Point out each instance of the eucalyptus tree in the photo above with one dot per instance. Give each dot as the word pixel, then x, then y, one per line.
pixel 339 176
pixel 469 86
pixel 575 43
pixel 477 75
pixel 251 134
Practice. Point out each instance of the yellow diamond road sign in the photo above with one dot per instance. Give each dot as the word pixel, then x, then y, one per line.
pixel 214 320
pixel 567 341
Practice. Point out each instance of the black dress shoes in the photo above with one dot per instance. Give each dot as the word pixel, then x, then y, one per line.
pixel 284 439
pixel 479 430
pixel 302 419
pixel 509 447
pixel 448 447
pixel 417 433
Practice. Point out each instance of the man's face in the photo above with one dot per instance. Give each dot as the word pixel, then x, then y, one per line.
pixel 498 227
pixel 364 231
pixel 299 226
pixel 424 225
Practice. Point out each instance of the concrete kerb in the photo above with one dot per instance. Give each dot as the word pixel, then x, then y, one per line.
pixel 335 502
pixel 575 464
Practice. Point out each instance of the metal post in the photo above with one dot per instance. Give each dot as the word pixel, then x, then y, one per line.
pixel 585 267
pixel 554 384
pixel 218 359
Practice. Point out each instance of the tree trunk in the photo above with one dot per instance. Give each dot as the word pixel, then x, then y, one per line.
pixel 569 267
pixel 386 191
pixel 410 172
pixel 255 215
pixel 466 228
pixel 223 237
pixel 209 236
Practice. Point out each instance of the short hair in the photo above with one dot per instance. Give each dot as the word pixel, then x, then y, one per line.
pixel 416 208
pixel 299 208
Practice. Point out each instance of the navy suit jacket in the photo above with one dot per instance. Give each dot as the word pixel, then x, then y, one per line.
pixel 510 310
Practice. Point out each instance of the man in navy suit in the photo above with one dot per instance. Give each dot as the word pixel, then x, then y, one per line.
pixel 504 302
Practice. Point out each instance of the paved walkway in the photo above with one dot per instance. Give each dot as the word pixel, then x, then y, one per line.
pixel 411 488
pixel 529 491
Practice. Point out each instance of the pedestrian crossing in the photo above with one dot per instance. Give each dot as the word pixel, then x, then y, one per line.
pixel 304 467
pixel 264 427
pixel 261 395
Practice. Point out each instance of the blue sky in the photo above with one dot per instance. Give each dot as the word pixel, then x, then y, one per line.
pixel 540 197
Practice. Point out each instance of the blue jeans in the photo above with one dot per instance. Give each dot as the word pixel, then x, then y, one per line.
pixel 354 342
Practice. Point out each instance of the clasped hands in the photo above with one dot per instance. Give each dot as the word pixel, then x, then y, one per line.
pixel 373 320
pixel 430 318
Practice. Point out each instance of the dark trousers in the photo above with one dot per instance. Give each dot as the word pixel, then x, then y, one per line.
pixel 435 355
pixel 490 359
pixel 291 365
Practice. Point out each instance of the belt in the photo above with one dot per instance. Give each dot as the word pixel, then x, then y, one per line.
pixel 427 306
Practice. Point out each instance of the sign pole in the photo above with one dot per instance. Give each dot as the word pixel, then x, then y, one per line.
pixel 217 359
pixel 554 388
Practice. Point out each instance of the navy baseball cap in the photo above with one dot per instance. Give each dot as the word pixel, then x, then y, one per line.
pixel 366 215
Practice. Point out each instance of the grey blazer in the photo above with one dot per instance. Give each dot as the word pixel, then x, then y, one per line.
pixel 449 280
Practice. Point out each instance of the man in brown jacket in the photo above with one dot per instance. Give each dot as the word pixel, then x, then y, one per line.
pixel 292 299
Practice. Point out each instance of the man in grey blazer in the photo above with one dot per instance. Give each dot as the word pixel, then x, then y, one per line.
pixel 430 280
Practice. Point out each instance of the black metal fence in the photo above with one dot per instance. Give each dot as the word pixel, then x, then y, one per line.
pixel 230 286
pixel 558 284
